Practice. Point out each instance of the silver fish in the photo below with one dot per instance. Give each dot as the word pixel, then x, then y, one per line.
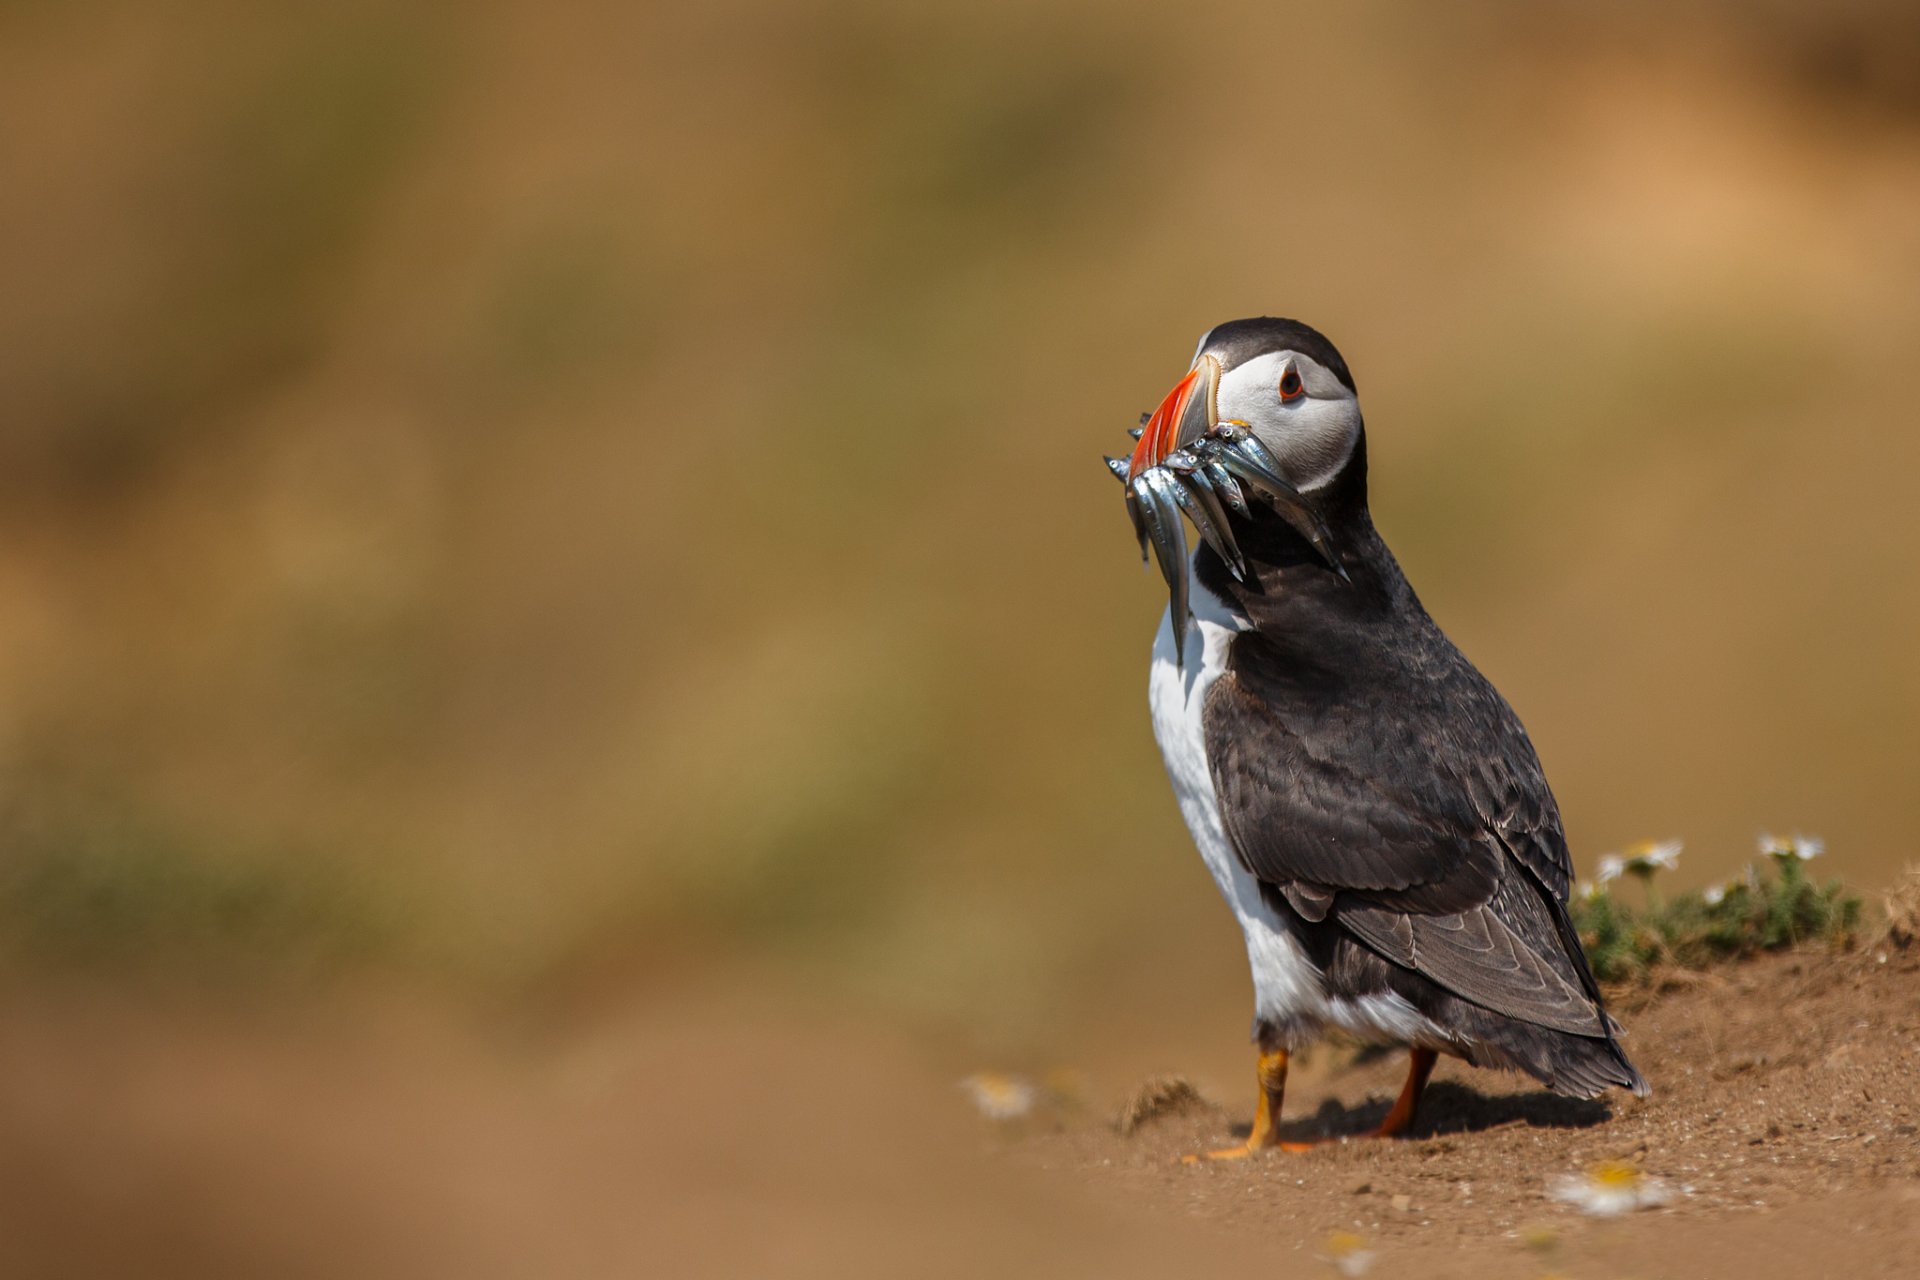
pixel 1168 533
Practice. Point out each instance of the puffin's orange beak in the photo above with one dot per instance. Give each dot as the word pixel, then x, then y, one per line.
pixel 1189 412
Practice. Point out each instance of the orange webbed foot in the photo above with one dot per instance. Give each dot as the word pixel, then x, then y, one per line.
pixel 1246 1150
pixel 1273 1086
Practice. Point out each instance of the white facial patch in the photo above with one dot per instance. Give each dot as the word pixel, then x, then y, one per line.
pixel 1312 435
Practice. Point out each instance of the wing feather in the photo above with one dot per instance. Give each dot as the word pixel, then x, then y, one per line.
pixel 1409 808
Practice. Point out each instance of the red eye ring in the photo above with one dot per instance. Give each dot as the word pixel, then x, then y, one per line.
pixel 1290 388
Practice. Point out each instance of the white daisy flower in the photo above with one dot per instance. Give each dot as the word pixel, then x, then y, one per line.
pixel 1611 868
pixel 1611 1188
pixel 1346 1253
pixel 1589 889
pixel 1649 856
pixel 1001 1097
pixel 1794 847
pixel 1715 894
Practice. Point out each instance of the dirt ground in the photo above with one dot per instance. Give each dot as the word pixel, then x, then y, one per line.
pixel 1784 1118
pixel 728 1126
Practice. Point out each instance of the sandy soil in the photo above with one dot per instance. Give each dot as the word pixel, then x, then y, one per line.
pixel 725 1127
pixel 1784 1118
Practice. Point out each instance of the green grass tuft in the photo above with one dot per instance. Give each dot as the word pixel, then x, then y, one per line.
pixel 1764 912
pixel 114 891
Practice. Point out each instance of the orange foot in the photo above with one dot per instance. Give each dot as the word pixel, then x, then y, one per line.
pixel 1273 1087
pixel 1245 1149
pixel 1400 1118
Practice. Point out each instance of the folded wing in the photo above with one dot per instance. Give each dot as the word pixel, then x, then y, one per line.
pixel 1416 818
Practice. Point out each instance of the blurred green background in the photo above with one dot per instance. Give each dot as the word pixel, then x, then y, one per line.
pixel 557 497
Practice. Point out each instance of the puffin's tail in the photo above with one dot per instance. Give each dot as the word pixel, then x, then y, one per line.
pixel 1575 1065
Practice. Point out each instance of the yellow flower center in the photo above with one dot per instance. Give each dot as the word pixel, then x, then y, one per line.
pixel 1615 1175
pixel 1342 1243
pixel 996 1088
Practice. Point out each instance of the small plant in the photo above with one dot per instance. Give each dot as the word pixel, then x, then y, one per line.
pixel 1753 913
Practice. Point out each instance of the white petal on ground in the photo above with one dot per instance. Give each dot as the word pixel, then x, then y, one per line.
pixel 1611 1188
pixel 1346 1253
pixel 998 1096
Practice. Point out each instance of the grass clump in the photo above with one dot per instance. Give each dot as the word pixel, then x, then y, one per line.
pixel 1760 911
pixel 107 889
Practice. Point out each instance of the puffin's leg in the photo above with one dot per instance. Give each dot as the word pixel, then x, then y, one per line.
pixel 1265 1135
pixel 1400 1119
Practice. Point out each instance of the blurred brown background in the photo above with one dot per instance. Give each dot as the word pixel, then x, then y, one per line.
pixel 569 516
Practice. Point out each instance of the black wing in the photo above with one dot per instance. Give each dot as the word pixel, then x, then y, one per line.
pixel 1399 796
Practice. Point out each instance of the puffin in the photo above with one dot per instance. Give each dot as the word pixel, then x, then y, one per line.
pixel 1368 804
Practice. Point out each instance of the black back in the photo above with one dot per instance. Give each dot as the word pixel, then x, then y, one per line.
pixel 1376 784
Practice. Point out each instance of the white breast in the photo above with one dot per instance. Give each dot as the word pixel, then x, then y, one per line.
pixel 1288 990
pixel 1286 987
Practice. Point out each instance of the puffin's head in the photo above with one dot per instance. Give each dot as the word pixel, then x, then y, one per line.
pixel 1282 381
pixel 1267 409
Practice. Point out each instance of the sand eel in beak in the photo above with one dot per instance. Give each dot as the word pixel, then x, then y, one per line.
pixel 1368 804
pixel 1190 462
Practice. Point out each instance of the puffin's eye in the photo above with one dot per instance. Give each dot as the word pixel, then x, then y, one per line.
pixel 1290 388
